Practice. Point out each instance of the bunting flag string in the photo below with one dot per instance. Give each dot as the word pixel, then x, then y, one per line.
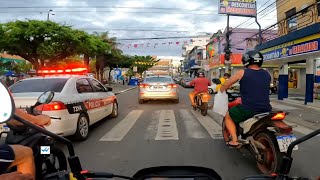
pixel 154 45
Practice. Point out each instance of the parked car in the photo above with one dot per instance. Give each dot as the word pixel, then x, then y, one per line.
pixel 158 88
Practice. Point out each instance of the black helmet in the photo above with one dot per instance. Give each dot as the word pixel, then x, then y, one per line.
pixel 252 57
pixel 227 75
pixel 201 73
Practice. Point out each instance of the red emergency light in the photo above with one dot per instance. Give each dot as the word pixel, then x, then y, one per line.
pixel 79 70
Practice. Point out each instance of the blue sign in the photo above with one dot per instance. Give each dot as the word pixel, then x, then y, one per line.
pixel 291 49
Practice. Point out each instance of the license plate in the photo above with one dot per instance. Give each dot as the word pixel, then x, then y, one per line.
pixel 285 141
pixel 4 128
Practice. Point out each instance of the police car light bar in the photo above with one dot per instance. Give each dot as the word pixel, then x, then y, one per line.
pixel 65 71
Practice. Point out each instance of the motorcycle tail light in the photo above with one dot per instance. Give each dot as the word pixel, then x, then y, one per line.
pixel 279 116
pixel 53 106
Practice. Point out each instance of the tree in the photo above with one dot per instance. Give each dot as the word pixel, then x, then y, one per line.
pixel 143 63
pixel 111 58
pixel 37 41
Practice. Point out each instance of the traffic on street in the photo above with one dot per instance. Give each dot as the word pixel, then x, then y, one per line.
pixel 170 90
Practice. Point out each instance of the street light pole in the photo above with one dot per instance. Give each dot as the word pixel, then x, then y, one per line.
pixel 48 17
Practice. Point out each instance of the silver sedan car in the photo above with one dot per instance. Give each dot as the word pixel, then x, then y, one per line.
pixel 158 87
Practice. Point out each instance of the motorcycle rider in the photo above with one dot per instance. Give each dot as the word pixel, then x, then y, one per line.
pixel 254 91
pixel 200 85
pixel 223 79
pixel 18 155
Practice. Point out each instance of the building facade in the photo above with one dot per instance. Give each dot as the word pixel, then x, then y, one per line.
pixel 163 67
pixel 242 40
pixel 189 54
pixel 295 50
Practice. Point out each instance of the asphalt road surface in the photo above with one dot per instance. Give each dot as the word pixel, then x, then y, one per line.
pixel 163 133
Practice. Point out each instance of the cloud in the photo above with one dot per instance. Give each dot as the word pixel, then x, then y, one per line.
pixel 197 17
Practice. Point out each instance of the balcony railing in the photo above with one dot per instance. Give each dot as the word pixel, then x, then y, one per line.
pixel 299 20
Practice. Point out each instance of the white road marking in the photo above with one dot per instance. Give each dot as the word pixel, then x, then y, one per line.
pixel 281 106
pixel 194 129
pixel 167 128
pixel 153 126
pixel 213 128
pixel 300 129
pixel 122 128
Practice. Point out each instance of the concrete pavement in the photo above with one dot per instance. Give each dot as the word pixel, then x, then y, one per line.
pixel 164 133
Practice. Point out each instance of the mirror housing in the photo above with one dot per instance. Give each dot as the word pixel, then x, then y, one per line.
pixel 45 97
pixel 109 88
pixel 7 106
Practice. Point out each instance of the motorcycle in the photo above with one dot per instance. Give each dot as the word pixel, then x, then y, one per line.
pixel 201 102
pixel 266 136
pixel 273 88
pixel 167 172
pixel 24 135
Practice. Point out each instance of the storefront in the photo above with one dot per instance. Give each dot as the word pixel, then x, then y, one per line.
pixel 296 55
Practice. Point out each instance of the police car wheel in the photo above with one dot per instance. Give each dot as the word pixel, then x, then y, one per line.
pixel 82 131
pixel 114 113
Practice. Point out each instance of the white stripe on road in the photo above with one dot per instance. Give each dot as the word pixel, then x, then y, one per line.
pixel 213 128
pixel 122 128
pixel 193 127
pixel 167 128
pixel 300 129
pixel 153 126
pixel 281 106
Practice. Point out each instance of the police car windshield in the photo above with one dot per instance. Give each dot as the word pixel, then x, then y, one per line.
pixel 39 85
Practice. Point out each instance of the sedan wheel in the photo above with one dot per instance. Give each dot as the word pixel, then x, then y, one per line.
pixel 82 131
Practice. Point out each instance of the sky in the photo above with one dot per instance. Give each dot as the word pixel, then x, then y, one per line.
pixel 136 19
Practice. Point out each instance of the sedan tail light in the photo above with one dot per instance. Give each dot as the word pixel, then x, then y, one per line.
pixel 144 85
pixel 53 106
pixel 172 86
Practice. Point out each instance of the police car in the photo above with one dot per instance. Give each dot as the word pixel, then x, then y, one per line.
pixel 79 100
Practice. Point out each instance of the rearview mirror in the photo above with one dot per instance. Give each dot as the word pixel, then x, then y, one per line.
pixel 109 88
pixel 7 106
pixel 46 97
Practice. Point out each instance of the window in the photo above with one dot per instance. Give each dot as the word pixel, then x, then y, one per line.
pixel 83 86
pixel 158 79
pixel 318 7
pixel 97 87
pixel 39 85
pixel 291 19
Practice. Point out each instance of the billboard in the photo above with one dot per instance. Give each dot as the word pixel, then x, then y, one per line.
pixel 238 7
pixel 297 47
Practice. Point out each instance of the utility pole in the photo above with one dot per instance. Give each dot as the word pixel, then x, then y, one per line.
pixel 227 48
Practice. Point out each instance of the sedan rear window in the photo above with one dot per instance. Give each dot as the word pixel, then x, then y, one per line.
pixel 158 79
pixel 39 85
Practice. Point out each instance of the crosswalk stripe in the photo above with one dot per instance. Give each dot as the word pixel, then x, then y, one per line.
pixel 213 128
pixel 122 128
pixel 193 127
pixel 167 128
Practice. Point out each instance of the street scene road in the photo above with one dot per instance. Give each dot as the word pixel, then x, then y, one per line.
pixel 163 133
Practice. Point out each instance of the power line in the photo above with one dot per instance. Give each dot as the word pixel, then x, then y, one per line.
pixel 154 38
pixel 97 7
pixel 157 30
pixel 129 12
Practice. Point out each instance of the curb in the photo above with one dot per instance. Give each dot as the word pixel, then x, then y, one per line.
pixel 116 93
pixel 296 104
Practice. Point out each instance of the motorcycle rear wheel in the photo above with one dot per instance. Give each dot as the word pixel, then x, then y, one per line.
pixel 272 157
pixel 204 108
